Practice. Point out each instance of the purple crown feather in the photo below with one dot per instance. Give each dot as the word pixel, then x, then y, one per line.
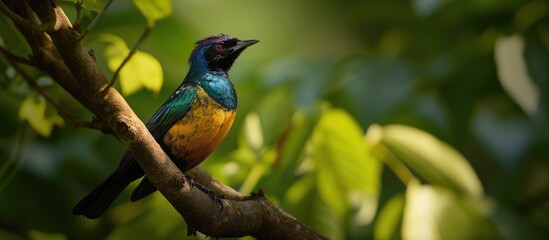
pixel 209 40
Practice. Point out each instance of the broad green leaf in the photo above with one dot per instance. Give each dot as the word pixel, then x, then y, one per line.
pixel 141 70
pixel 330 189
pixel 144 68
pixel 33 111
pixel 338 176
pixel 433 212
pixel 154 10
pixel 346 172
pixel 432 159
pixel 388 222
pixel 93 5
pixel 339 142
pixel 38 235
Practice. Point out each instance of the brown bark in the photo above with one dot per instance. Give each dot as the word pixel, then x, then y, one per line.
pixel 57 50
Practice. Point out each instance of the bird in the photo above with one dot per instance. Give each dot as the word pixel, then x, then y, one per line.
pixel 188 126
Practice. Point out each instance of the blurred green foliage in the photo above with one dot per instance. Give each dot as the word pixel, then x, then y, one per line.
pixel 364 119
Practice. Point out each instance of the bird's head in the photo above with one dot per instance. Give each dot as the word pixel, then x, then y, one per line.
pixel 218 53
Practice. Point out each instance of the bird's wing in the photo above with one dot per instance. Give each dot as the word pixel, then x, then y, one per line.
pixel 162 120
pixel 171 111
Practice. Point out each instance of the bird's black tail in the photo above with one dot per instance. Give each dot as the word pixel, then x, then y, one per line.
pixel 97 201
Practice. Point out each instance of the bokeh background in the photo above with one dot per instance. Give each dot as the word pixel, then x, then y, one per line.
pixel 420 119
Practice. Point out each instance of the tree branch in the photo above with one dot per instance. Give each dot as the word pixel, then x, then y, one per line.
pixel 63 111
pixel 18 20
pixel 45 56
pixel 10 56
pixel 254 215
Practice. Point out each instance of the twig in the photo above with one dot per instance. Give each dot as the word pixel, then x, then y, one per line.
pixel 16 58
pixel 77 121
pixel 78 6
pixel 130 54
pixel 255 216
pixel 95 20
pixel 18 20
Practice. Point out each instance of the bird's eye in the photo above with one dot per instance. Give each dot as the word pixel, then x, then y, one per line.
pixel 218 47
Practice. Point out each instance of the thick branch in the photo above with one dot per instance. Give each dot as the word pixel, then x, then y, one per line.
pixel 45 56
pixel 255 215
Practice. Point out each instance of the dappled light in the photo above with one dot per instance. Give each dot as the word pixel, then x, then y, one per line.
pixel 421 119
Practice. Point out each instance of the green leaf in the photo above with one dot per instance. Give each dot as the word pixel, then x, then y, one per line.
pixel 339 143
pixel 346 172
pixel 154 10
pixel 330 189
pixel 93 5
pixel 389 220
pixel 339 179
pixel 33 111
pixel 433 212
pixel 141 70
pixel 434 160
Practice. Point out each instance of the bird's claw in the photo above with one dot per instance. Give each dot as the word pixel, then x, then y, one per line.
pixel 211 193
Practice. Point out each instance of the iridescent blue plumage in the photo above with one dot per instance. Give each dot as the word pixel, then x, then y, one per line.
pixel 218 86
pixel 188 126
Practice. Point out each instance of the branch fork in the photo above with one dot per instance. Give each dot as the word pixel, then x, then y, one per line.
pixel 65 59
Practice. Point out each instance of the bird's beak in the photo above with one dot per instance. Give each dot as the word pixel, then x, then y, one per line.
pixel 241 45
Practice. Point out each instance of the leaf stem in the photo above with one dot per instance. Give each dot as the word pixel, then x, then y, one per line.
pixel 95 20
pixel 130 54
pixel 398 168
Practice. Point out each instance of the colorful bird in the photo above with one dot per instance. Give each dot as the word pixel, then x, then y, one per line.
pixel 188 126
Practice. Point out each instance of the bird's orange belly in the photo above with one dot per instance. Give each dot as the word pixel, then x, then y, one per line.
pixel 202 128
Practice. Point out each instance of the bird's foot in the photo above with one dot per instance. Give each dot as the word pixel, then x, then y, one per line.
pixel 217 198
